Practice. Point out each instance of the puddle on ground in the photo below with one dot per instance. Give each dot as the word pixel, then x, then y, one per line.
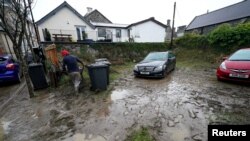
pixel 5 127
pixel 177 134
pixel 119 94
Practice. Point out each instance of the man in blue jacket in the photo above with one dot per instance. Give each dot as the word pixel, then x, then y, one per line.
pixel 70 64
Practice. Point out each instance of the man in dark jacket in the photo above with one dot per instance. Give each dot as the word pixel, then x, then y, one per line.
pixel 70 63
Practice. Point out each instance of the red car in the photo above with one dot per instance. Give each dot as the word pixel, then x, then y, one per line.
pixel 236 67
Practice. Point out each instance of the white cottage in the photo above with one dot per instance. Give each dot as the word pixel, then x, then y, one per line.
pixel 149 30
pixel 65 24
pixel 111 31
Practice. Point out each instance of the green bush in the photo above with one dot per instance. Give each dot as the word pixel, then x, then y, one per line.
pixel 192 40
pixel 243 34
pixel 229 37
pixel 140 135
pixel 222 36
pixel 128 51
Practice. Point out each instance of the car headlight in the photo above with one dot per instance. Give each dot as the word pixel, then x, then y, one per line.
pixel 159 68
pixel 136 68
pixel 223 65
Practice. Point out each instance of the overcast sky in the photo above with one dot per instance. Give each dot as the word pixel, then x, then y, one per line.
pixel 130 11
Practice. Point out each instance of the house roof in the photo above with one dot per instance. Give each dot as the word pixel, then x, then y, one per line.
pixel 64 4
pixel 149 19
pixel 88 15
pixel 181 28
pixel 229 13
pixel 113 25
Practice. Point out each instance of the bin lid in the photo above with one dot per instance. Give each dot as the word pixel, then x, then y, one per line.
pixel 97 65
pixel 35 64
pixel 103 60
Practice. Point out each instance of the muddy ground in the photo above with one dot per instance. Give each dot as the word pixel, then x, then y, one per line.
pixel 176 108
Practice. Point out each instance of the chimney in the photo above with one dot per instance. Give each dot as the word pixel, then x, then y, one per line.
pixel 168 22
pixel 89 9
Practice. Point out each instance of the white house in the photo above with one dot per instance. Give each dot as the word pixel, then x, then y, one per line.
pixel 110 31
pixel 149 30
pixel 64 23
pixel 6 45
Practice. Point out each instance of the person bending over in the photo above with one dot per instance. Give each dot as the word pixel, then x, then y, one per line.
pixel 70 64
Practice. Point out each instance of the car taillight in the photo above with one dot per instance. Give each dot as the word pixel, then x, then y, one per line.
pixel 10 66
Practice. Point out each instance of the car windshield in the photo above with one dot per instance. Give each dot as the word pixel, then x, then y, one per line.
pixel 156 56
pixel 241 55
pixel 2 60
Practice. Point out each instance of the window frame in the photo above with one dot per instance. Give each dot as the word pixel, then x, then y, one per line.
pixel 99 30
pixel 118 33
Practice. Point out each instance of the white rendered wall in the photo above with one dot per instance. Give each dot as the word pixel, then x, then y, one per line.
pixel 66 21
pixel 148 32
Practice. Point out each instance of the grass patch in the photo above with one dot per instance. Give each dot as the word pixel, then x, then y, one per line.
pixel 64 80
pixel 197 58
pixel 238 117
pixel 141 135
pixel 194 64
pixel 116 71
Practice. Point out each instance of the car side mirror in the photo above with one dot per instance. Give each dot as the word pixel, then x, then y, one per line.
pixel 224 58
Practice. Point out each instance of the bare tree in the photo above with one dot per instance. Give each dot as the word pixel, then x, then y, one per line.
pixel 13 19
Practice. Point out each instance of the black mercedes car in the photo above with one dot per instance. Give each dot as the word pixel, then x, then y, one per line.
pixel 156 64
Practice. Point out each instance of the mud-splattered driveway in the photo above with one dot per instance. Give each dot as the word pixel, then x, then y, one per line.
pixel 176 108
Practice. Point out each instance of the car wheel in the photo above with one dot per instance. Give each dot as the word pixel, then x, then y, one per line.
pixel 219 79
pixel 164 74
pixel 173 68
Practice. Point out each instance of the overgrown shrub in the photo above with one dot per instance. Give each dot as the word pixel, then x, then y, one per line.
pixel 222 36
pixel 228 37
pixel 225 38
pixel 243 34
pixel 192 40
pixel 128 51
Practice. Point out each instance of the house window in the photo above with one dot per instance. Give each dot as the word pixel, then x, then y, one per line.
pixel 137 34
pixel 81 33
pixel 101 32
pixel 118 33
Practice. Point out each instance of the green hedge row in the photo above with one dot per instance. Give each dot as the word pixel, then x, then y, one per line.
pixel 128 51
pixel 224 38
pixel 227 36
